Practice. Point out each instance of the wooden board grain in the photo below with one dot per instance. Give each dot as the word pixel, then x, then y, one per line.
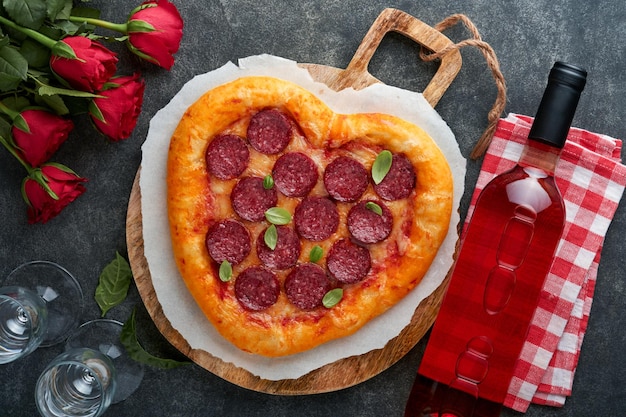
pixel 349 371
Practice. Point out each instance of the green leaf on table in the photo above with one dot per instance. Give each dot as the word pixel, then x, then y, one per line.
pixel 128 337
pixel 29 13
pixel 113 285
pixel 381 166
pixel 13 68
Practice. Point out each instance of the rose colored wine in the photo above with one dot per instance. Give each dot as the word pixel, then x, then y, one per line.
pixel 506 254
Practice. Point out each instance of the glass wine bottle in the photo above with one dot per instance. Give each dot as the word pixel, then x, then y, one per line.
pixel 505 256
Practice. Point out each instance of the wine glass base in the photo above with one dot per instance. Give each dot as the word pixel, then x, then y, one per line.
pixel 59 289
pixel 104 335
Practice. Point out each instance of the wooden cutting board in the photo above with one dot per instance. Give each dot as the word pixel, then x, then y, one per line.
pixel 349 371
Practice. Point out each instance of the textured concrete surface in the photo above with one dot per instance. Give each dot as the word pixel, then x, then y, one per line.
pixel 527 37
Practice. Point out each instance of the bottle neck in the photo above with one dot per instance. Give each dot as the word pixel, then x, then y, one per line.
pixel 540 155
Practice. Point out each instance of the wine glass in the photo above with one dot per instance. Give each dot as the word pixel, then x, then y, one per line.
pixel 40 303
pixel 104 335
pixel 78 382
pixel 88 393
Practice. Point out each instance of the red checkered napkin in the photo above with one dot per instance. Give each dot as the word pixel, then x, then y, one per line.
pixel 591 179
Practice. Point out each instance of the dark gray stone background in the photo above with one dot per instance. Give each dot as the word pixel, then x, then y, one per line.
pixel 527 37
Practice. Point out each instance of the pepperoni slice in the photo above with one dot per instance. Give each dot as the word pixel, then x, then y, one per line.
pixel 285 254
pixel 269 131
pixel 399 181
pixel 316 218
pixel 345 179
pixel 250 199
pixel 227 156
pixel 257 288
pixel 295 174
pixel 306 286
pixel 228 240
pixel 367 226
pixel 347 262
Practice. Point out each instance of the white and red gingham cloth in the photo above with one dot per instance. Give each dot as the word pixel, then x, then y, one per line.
pixel 591 179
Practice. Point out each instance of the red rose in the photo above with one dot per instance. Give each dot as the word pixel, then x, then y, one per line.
pixel 93 67
pixel 115 114
pixel 62 182
pixel 47 132
pixel 154 32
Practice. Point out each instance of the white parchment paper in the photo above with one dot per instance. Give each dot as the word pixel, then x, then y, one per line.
pixel 178 304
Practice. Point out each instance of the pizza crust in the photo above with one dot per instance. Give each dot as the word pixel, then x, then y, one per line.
pixel 398 264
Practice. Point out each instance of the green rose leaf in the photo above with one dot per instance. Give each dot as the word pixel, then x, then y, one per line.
pixel 37 55
pixel 13 68
pixel 48 90
pixel 271 237
pixel 381 166
pixel 332 297
pixel 316 253
pixel 29 13
pixel 128 337
pixel 55 103
pixel 277 215
pixel 58 9
pixel 113 284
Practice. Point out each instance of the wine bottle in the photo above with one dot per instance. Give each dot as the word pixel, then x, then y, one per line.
pixel 505 255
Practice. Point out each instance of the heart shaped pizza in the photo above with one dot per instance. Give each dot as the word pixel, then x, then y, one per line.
pixel 293 225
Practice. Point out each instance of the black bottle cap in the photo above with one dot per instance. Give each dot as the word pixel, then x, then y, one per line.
pixel 558 105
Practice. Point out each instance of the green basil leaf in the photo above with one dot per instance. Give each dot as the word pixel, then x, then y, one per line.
pixel 128 337
pixel 113 284
pixel 29 13
pixel 370 205
pixel 271 237
pixel 316 253
pixel 381 166
pixel 277 215
pixel 332 297
pixel 226 271
pixel 268 182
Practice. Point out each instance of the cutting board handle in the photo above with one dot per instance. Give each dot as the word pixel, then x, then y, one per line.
pixel 393 20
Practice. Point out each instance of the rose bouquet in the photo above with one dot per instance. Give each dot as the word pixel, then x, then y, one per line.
pixel 55 66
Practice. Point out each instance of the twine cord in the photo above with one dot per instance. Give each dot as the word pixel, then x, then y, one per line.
pixel 492 61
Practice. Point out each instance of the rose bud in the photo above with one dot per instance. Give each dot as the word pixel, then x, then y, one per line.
pixel 47 190
pixel 44 134
pixel 93 66
pixel 154 32
pixel 115 113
